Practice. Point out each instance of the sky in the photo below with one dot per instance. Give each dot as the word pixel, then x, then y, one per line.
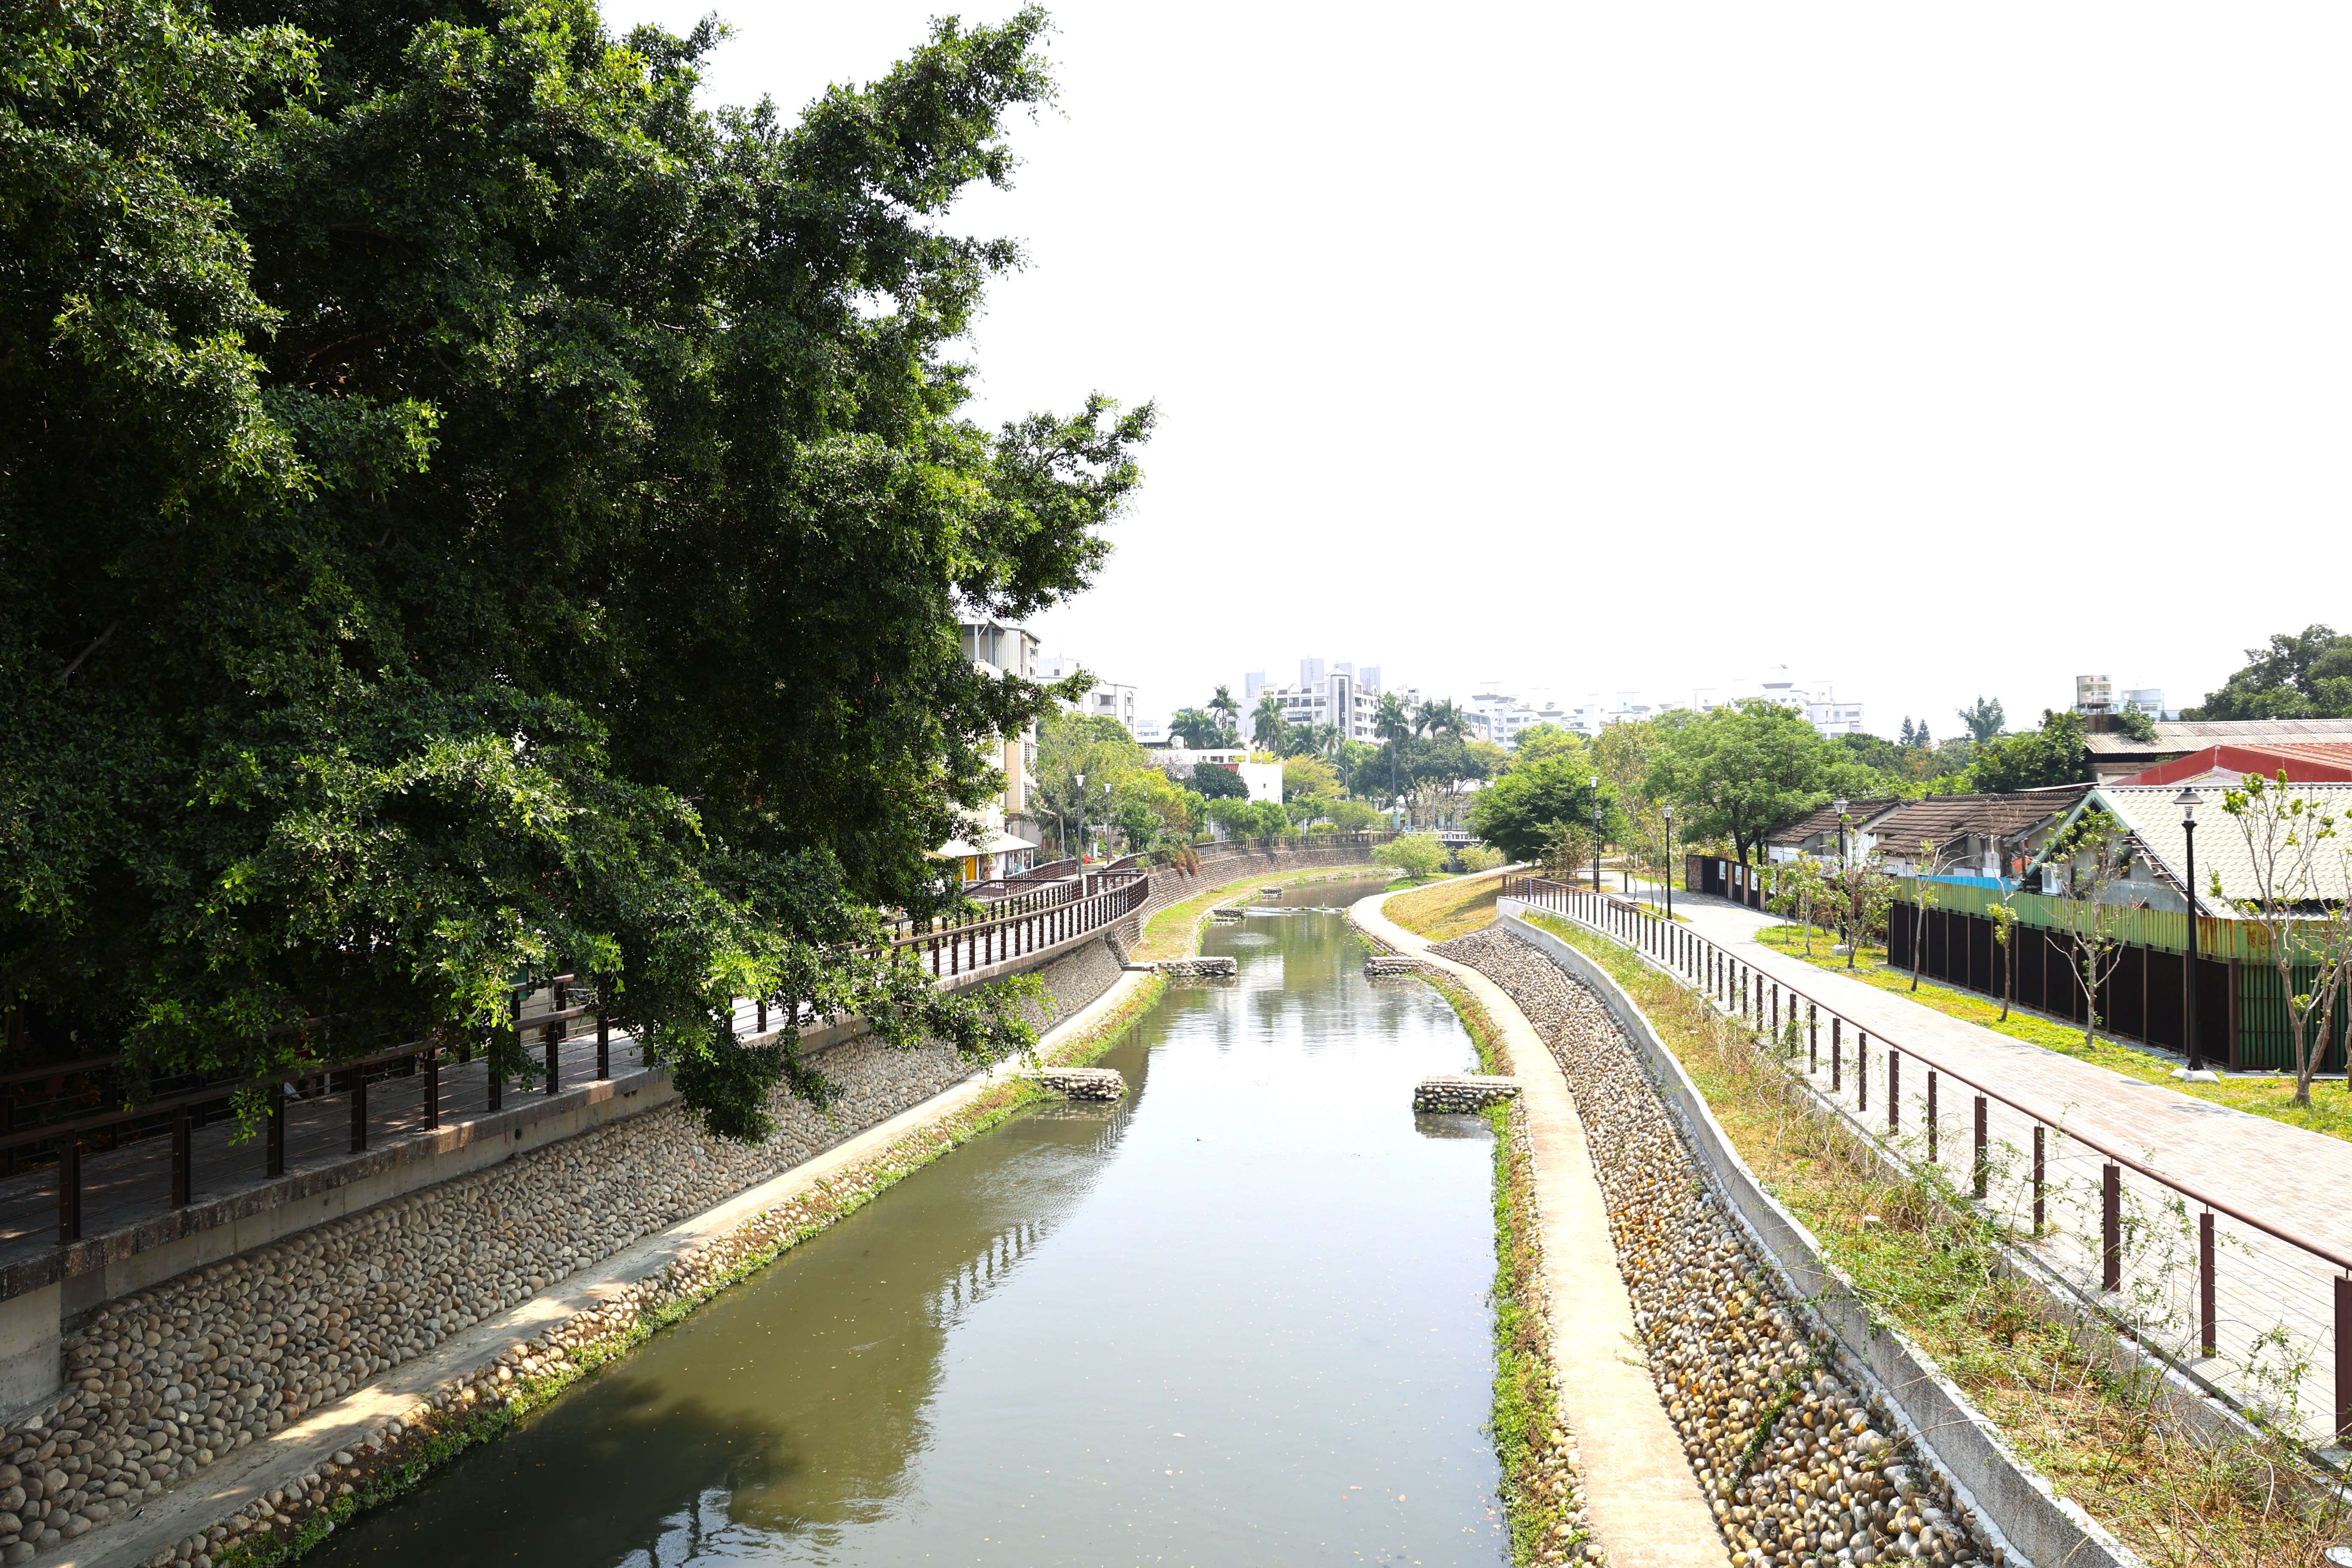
pixel 1929 352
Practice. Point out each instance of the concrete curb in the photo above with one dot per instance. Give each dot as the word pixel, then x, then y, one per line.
pixel 2014 1503
pixel 1641 1501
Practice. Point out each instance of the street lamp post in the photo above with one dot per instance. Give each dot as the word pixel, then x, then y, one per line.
pixel 2196 1071
pixel 1669 869
pixel 1081 779
pixel 1596 834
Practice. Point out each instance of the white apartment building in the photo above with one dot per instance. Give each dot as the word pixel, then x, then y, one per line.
pixel 1507 715
pixel 1004 843
pixel 1105 699
pixel 1340 695
pixel 2098 694
pixel 1818 704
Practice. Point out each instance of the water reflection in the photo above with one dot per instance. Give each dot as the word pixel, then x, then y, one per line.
pixel 1238 1319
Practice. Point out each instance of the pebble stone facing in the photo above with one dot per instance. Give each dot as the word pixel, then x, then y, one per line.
pixel 1463 1091
pixel 1198 968
pixel 1383 965
pixel 1798 1469
pixel 1082 1083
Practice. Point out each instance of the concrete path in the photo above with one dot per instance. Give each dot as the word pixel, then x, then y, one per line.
pixel 2293 1178
pixel 224 1487
pixel 2281 1175
pixel 1640 1496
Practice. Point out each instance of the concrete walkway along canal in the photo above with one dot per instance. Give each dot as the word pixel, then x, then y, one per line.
pixel 1240 1318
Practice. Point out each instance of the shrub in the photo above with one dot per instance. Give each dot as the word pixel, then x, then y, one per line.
pixel 1414 853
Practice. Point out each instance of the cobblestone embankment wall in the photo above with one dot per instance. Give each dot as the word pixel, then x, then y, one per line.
pixel 162 1383
pixel 1798 1465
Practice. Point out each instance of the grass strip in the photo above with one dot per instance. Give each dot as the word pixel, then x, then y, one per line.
pixel 1921 1258
pixel 1454 907
pixel 2258 1094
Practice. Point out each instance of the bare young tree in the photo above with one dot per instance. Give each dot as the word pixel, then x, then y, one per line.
pixel 1932 863
pixel 2004 937
pixel 2093 854
pixel 2300 866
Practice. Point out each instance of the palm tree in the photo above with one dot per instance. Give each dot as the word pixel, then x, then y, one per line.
pixel 1230 711
pixel 1195 729
pixel 1445 719
pixel 1392 722
pixel 1268 723
pixel 1329 741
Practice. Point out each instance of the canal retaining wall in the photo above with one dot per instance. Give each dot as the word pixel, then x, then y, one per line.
pixel 166 1373
pixel 177 1355
pixel 1732 1238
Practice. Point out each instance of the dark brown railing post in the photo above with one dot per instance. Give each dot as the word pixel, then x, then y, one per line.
pixel 555 1037
pixel 432 1087
pixel 1813 1037
pixel 494 1079
pixel 183 1158
pixel 1861 1071
pixel 1983 1153
pixel 2207 1331
pixel 1893 1089
pixel 2342 1358
pixel 70 1190
pixel 2111 1227
pixel 274 1144
pixel 1837 1055
pixel 604 1036
pixel 2040 1214
pixel 358 1110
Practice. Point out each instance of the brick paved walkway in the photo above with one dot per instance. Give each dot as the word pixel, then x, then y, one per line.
pixel 2274 1304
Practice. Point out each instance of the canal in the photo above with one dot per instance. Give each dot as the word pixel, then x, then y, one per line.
pixel 1240 1319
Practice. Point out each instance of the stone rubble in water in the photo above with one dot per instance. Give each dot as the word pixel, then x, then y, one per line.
pixel 1824 1483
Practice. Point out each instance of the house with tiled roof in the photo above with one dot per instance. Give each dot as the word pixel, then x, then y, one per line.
pixel 1981 838
pixel 1814 835
pixel 2241 1020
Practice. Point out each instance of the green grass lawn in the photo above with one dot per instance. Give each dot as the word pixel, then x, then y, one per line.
pixel 2261 1094
pixel 1451 906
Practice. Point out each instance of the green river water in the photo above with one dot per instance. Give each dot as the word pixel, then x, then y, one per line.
pixel 1240 1319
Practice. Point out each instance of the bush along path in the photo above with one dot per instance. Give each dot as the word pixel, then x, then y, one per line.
pixel 1798 1467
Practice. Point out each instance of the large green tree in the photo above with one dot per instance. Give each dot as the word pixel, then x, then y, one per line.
pixel 1528 808
pixel 1742 771
pixel 466 512
pixel 2051 754
pixel 2306 675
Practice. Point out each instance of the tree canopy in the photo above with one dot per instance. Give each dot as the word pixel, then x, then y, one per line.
pixel 1742 771
pixel 2052 755
pixel 465 513
pixel 2304 674
pixel 1528 808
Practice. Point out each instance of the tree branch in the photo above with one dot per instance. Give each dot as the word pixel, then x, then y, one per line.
pixel 96 643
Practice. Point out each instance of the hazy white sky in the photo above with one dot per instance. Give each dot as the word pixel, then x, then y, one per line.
pixel 1930 351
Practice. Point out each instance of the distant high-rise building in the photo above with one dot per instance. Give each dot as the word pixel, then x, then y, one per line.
pixel 1335 693
pixel 1252 684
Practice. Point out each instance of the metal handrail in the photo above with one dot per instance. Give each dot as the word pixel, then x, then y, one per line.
pixel 2219 1205
pixel 1567 896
